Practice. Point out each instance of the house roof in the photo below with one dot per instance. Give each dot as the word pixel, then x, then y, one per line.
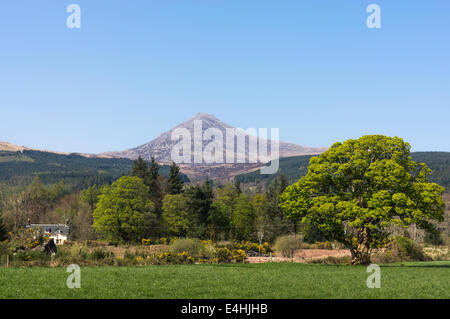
pixel 53 228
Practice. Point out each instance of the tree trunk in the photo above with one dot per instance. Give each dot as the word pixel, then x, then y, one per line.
pixel 361 253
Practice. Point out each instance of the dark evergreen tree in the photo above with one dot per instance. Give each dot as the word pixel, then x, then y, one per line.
pixel 283 183
pixel 279 224
pixel 153 174
pixel 175 183
pixel 3 231
pixel 237 185
pixel 200 199
pixel 140 169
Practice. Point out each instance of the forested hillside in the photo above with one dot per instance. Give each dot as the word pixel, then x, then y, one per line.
pixel 78 172
pixel 291 167
pixel 295 167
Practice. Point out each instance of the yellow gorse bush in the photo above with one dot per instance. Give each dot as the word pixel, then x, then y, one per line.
pixel 250 246
pixel 239 254
pixel 324 245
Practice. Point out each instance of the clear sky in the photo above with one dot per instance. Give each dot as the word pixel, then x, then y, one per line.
pixel 138 68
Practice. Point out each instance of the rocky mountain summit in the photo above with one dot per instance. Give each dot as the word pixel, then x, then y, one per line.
pixel 161 147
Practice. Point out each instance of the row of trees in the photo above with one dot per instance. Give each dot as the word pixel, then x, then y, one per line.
pixel 37 203
pixel 353 193
pixel 146 204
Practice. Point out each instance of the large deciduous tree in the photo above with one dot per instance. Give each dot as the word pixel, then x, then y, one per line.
pixel 124 211
pixel 357 188
pixel 176 217
pixel 243 218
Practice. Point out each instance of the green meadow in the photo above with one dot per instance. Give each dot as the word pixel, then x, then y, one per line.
pixel 271 280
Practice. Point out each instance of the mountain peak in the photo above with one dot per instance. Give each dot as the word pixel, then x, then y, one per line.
pixel 161 147
pixel 204 117
pixel 201 115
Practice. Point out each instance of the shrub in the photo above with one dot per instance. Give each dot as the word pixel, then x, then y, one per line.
pixel 401 249
pixel 251 248
pixel 324 245
pixel 224 255
pixel 190 245
pixel 239 255
pixel 27 238
pixel 331 260
pixel 129 255
pixel 287 245
pixel 434 238
pixel 208 251
pixel 407 249
pixel 78 250
pixel 99 254
pixel 29 255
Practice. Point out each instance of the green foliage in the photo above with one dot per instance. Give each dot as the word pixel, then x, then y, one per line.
pixel 153 172
pixel 276 222
pixel 191 245
pixel 360 187
pixel 176 217
pixel 287 245
pixel 219 220
pixel 99 254
pixel 434 238
pixel 253 248
pixel 312 234
pixel 26 238
pixel 140 169
pixel 297 166
pixel 200 198
pixel 175 183
pixel 331 260
pixel 90 196
pixel 401 249
pixel 439 163
pixel 406 249
pixel 243 218
pixel 124 211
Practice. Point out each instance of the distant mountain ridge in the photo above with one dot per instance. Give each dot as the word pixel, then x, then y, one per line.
pixel 160 148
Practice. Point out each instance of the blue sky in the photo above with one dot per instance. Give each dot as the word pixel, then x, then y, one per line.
pixel 138 68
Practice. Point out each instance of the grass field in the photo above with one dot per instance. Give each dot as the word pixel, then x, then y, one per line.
pixel 273 280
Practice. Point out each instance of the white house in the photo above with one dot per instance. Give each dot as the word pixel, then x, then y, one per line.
pixel 59 232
